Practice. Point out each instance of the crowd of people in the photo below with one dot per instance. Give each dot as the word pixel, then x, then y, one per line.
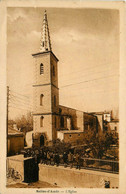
pixel 54 158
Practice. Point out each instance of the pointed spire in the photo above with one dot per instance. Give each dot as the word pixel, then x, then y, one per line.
pixel 45 43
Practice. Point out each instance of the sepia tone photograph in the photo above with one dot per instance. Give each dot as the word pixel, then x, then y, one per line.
pixel 62 97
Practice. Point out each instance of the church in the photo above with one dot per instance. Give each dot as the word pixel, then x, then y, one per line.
pixel 50 119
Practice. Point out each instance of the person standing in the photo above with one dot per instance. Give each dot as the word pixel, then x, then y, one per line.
pixel 65 158
pixel 77 158
pixel 70 159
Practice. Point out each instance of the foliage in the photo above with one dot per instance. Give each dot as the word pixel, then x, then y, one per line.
pixel 100 143
pixel 25 123
pixel 59 146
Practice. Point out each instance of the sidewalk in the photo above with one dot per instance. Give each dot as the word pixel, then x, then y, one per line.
pixel 38 184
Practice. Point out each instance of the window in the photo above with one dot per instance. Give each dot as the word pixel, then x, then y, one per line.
pixel 41 69
pixel 55 122
pixel 53 70
pixel 62 122
pixel 41 99
pixel 41 121
pixel 54 100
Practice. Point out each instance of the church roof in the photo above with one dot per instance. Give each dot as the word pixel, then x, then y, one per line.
pixel 45 43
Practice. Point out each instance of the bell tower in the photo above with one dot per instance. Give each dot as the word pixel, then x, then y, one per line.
pixel 45 88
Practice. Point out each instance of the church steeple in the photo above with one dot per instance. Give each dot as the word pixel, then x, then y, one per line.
pixel 45 43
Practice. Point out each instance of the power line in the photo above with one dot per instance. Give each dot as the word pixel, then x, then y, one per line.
pixel 20 108
pixel 13 99
pixel 100 91
pixel 21 105
pixel 26 100
pixel 85 75
pixel 19 94
pixel 88 81
pixel 74 72
pixel 91 86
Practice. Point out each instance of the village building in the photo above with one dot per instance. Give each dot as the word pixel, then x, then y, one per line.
pixel 15 140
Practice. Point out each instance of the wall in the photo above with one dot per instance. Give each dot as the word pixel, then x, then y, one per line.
pixel 90 122
pixel 112 126
pixel 17 163
pixel 60 135
pixel 80 120
pixel 66 112
pixel 54 79
pixel 100 123
pixel 45 60
pixel 16 143
pixel 73 137
pixel 66 177
pixel 55 92
pixel 47 125
pixel 46 106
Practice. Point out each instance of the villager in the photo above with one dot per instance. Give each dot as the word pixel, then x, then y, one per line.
pixel 48 157
pixel 41 156
pixel 32 153
pixel 57 159
pixel 70 159
pixel 51 158
pixel 45 157
pixel 77 158
pixel 36 160
pixel 65 158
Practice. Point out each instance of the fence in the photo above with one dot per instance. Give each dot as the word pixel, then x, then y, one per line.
pixel 83 163
pixel 101 165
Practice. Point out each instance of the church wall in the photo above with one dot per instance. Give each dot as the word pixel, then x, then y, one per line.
pixel 55 120
pixel 54 74
pixel 90 122
pixel 46 102
pixel 45 60
pixel 55 92
pixel 69 112
pixel 47 125
pixel 80 120
pixel 100 122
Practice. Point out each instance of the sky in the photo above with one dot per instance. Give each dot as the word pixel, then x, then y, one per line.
pixel 86 42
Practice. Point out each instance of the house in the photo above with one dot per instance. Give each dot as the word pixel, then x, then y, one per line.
pixel 15 141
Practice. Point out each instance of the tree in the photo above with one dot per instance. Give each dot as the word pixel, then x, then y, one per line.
pixel 25 123
pixel 100 143
pixel 59 146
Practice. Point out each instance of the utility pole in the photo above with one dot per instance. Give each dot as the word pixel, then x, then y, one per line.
pixel 7 118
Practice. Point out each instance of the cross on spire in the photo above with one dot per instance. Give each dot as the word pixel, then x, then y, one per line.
pixel 45 43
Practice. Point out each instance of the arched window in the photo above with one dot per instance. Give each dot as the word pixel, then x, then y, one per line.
pixel 41 69
pixel 53 70
pixel 41 121
pixel 55 121
pixel 54 100
pixel 41 99
pixel 62 121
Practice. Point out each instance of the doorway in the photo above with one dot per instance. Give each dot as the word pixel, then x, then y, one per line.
pixel 42 140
